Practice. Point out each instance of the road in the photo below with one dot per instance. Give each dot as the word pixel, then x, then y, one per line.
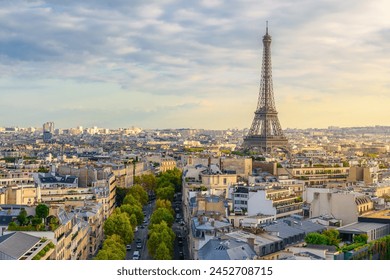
pixel 142 234
pixel 180 230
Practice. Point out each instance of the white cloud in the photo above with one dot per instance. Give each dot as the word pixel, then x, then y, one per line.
pixel 207 53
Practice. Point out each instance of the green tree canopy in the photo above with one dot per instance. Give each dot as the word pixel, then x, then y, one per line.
pixel 133 209
pixel 133 221
pixel 131 200
pixel 139 193
pixel 162 214
pixel 316 238
pixel 22 217
pixel 167 193
pixel 164 203
pixel 360 238
pixel 147 181
pixel 113 249
pixel 152 243
pixel 172 176
pixel 161 233
pixel 119 223
pixel 163 182
pixel 162 252
pixel 332 236
pixel 157 228
pixel 42 211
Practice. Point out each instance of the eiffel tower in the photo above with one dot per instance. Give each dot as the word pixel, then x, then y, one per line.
pixel 266 133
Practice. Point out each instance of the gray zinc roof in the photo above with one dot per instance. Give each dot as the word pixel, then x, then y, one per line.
pixel 230 249
pixel 16 244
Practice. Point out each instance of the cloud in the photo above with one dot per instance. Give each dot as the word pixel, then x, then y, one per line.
pixel 94 53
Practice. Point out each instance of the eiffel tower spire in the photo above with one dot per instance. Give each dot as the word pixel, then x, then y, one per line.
pixel 266 132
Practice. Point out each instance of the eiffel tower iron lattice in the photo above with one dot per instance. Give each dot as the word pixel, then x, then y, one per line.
pixel 266 133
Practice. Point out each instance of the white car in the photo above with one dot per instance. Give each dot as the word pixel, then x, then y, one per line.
pixel 136 255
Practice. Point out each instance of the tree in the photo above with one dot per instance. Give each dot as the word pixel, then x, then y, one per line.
pixel 36 221
pixel 22 217
pixel 119 223
pixel 160 228
pixel 54 223
pixel 113 249
pixel 42 211
pixel 162 214
pixel 133 221
pixel 120 195
pixel 316 238
pixel 360 238
pixel 147 181
pixel 131 200
pixel 332 236
pixel 162 252
pixel 152 243
pixel 164 203
pixel 133 209
pixel 172 176
pixel 166 193
pixel 160 233
pixel 139 193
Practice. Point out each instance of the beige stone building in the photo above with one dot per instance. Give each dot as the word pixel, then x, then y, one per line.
pixel 344 206
pixel 93 214
pixel 18 194
pixel 317 175
pixel 368 175
pixel 240 166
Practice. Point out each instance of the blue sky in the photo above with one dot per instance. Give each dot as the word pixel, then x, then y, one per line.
pixel 196 64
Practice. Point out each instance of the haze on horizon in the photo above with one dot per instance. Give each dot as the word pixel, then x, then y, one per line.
pixel 175 64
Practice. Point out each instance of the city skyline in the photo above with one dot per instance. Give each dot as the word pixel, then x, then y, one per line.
pixel 173 64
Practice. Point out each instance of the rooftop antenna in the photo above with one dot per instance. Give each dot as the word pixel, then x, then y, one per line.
pixel 266 27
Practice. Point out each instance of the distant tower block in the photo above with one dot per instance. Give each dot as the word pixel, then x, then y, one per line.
pixel 266 133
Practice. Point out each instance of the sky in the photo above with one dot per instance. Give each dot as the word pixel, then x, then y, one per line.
pixel 192 64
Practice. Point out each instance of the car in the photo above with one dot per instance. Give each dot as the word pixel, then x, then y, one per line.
pixel 136 255
pixel 139 240
pixel 128 247
pixel 179 237
pixel 181 243
pixel 181 255
pixel 139 245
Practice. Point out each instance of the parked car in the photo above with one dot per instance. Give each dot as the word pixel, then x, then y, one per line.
pixel 139 245
pixel 136 255
pixel 128 247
